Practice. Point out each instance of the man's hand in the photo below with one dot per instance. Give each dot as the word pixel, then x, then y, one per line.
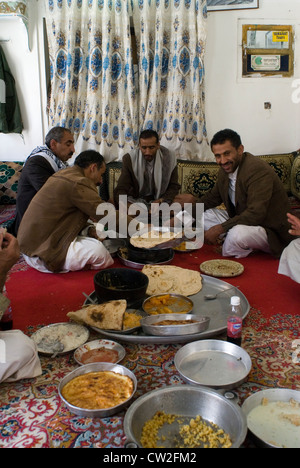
pixel 9 254
pixel 184 198
pixel 9 251
pixel 295 223
pixel 212 235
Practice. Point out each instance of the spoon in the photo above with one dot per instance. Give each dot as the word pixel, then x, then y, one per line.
pixel 211 297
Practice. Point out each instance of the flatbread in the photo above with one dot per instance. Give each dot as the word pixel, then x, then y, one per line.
pixel 150 239
pixel 172 279
pixel 222 268
pixel 108 315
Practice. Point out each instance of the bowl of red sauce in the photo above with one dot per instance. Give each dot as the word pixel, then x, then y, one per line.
pixel 99 351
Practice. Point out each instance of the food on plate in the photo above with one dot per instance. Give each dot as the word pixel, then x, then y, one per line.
pixel 172 279
pixel 167 304
pixel 196 432
pixel 174 322
pixel 108 315
pixel 102 354
pixel 276 422
pixel 131 320
pixel 150 239
pixel 60 337
pixel 111 315
pixel 98 390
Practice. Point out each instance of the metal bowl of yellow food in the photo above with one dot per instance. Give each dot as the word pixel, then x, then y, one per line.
pixel 184 416
pixel 174 324
pixel 168 304
pixel 97 390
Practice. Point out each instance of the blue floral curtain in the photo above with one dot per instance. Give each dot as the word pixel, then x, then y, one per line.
pixel 93 86
pixel 171 38
pixel 92 79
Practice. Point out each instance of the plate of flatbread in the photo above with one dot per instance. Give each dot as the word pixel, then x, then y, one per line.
pixel 222 268
pixel 156 239
pixel 172 279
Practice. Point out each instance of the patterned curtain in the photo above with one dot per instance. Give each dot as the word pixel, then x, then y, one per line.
pixel 93 89
pixel 92 79
pixel 171 38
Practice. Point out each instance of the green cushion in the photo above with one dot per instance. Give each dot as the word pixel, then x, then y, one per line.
pixel 9 177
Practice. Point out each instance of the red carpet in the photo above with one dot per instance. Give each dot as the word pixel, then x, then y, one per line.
pixel 41 299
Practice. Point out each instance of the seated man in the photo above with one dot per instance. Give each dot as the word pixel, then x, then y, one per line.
pixel 18 355
pixel 255 200
pixel 149 173
pixel 43 162
pixel 290 259
pixel 51 233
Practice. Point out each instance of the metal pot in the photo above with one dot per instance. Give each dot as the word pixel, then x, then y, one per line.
pixel 271 394
pixel 145 256
pixel 185 401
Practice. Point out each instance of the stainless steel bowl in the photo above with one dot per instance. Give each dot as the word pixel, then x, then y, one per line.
pixel 272 394
pixel 213 363
pixel 181 305
pixel 96 367
pixel 186 401
pixel 198 324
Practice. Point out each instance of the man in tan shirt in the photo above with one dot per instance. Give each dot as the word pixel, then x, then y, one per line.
pixel 52 234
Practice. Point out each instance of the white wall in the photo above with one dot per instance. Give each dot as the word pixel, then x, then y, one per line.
pixel 27 67
pixel 231 101
pixel 238 103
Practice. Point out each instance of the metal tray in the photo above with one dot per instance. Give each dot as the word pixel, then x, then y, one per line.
pixel 272 394
pixel 216 310
pixel 213 363
pixel 199 325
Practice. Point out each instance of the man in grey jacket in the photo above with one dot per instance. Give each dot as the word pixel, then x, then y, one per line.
pixel 42 162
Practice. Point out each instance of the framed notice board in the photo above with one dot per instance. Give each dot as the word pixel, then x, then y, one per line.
pixel 268 50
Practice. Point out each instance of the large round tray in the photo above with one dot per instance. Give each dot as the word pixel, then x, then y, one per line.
pixel 216 309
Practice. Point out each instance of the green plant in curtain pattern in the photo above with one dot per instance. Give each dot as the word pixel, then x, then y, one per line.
pixel 94 89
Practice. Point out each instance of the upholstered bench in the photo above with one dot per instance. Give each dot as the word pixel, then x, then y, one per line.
pixel 197 177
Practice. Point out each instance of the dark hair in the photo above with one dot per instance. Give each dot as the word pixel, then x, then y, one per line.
pixel 56 133
pixel 145 134
pixel 225 135
pixel 88 157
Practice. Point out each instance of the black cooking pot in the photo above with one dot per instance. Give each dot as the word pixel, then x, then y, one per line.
pixel 138 255
pixel 120 283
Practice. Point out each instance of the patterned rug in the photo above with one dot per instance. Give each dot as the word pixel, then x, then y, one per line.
pixel 32 414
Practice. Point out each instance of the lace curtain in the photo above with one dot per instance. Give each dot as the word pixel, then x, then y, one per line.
pixel 96 90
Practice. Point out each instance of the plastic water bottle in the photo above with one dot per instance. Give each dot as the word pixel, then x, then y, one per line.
pixel 235 322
